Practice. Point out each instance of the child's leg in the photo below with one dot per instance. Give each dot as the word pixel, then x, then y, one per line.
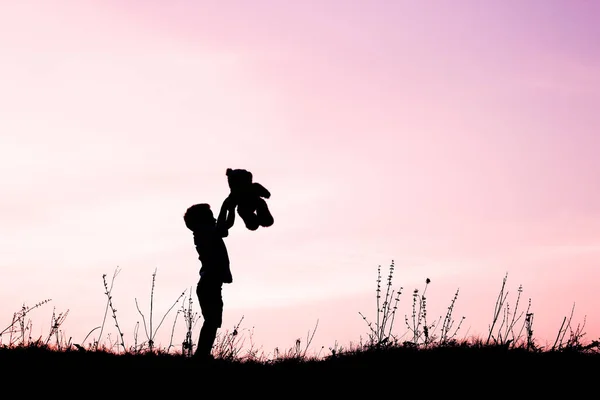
pixel 211 306
pixel 263 213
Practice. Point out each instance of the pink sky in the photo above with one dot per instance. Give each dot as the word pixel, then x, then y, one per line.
pixel 461 136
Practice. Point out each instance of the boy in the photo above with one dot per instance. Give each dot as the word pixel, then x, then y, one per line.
pixel 212 253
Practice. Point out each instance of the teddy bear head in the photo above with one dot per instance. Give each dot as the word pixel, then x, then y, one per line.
pixel 238 178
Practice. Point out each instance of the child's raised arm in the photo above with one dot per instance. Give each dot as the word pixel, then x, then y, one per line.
pixel 226 217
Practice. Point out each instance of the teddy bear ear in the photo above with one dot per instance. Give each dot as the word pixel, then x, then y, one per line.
pixel 229 170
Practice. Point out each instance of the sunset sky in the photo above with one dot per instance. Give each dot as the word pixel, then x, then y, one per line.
pixel 459 138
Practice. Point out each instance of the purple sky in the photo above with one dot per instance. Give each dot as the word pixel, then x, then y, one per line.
pixel 462 137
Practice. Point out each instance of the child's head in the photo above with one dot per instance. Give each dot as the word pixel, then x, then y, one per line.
pixel 199 215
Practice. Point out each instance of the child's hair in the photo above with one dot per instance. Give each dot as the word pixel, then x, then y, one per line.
pixel 197 215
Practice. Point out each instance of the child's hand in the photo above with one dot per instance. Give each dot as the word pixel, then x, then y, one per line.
pixel 229 202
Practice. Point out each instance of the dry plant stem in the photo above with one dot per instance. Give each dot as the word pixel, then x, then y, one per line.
pixel 575 336
pixel 381 332
pixel 510 326
pixel 386 302
pixel 190 319
pixel 86 336
pixel 172 331
pixel 108 293
pixel 377 324
pixel 449 322
pixel 19 317
pixel 152 334
pixel 419 318
pixel 183 310
pixel 498 308
pixel 309 339
pixel 529 326
pixel 524 326
pixel 252 352
pixel 187 345
pixel 150 341
pixel 228 345
pixel 389 314
pixel 55 323
pixel 136 330
pixel 568 327
pixel 505 332
pixel 109 304
pixel 423 313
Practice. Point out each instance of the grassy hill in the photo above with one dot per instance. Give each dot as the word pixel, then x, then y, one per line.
pixel 430 363
pixel 453 370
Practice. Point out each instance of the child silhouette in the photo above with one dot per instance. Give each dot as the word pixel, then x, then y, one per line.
pixel 212 253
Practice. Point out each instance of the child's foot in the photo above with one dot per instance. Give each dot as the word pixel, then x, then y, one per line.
pixel 203 358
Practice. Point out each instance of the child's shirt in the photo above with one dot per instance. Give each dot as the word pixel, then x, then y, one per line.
pixel 212 253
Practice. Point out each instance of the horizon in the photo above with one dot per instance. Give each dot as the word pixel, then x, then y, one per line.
pixel 455 138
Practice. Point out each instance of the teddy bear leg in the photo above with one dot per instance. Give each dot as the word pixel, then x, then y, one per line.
pixel 263 213
pixel 251 223
pixel 250 219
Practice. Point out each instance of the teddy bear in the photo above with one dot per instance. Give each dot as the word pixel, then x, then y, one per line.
pixel 249 197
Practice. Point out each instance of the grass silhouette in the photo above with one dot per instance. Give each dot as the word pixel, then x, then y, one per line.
pixel 428 351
